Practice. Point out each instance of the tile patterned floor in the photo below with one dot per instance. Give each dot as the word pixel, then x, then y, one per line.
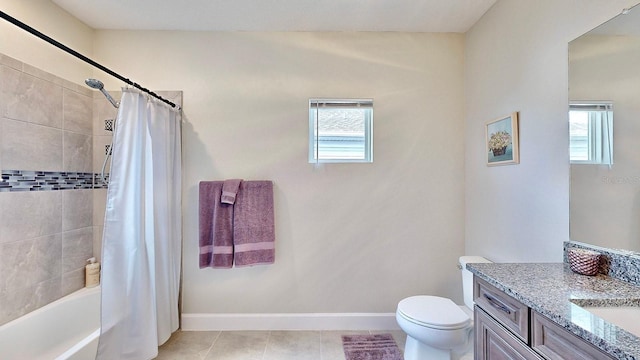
pixel 260 345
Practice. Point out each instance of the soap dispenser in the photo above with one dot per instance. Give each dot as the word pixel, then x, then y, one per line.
pixel 92 273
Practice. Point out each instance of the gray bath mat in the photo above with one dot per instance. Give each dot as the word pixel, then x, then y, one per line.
pixel 370 347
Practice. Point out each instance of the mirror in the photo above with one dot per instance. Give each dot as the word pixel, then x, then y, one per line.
pixel 604 67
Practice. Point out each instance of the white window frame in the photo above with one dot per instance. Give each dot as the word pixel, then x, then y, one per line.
pixel 314 141
pixel 599 131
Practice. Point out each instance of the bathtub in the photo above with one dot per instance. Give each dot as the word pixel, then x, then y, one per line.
pixel 67 328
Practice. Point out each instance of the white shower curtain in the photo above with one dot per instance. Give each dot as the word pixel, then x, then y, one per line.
pixel 141 249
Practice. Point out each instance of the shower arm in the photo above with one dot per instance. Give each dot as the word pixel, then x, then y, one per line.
pixel 115 104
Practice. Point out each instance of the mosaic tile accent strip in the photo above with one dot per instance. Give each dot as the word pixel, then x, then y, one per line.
pixel 24 180
pixel 108 125
pixel 107 149
pixel 98 183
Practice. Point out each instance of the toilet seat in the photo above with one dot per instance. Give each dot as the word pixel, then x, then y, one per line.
pixel 434 312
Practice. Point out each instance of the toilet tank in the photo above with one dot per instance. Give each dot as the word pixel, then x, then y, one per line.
pixel 467 277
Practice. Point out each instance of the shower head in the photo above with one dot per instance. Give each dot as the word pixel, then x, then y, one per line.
pixel 98 85
pixel 94 83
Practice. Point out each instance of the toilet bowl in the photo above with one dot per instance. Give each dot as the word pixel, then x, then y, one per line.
pixel 437 328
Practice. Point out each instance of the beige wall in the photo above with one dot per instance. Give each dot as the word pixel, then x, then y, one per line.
pixel 357 238
pixel 516 60
pixel 51 20
pixel 350 238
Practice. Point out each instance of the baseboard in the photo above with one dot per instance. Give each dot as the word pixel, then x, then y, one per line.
pixel 312 321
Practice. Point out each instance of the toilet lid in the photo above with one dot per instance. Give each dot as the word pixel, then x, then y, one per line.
pixel 434 312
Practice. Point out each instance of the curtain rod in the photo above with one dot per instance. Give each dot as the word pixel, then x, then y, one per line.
pixel 67 49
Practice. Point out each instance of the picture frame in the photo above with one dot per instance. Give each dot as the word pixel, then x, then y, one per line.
pixel 502 141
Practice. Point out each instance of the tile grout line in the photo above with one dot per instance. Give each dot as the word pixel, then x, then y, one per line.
pixel 321 345
pixel 266 345
pixel 212 344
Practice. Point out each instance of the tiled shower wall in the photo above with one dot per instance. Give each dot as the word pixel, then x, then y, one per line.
pixel 46 235
pixel 53 142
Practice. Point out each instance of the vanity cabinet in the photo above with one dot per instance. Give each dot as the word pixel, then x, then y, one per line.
pixel 494 342
pixel 554 342
pixel 506 329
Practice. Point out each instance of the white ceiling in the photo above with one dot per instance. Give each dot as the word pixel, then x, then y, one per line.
pixel 279 15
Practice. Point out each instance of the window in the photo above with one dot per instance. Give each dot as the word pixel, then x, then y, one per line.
pixel 591 133
pixel 340 130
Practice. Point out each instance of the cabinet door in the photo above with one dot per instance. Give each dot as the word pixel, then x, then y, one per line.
pixel 554 342
pixel 494 342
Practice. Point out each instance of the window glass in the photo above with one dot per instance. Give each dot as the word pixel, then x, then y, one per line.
pixel 579 135
pixel 340 130
pixel 591 133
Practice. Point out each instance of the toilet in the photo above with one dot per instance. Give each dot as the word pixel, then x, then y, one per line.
pixel 437 328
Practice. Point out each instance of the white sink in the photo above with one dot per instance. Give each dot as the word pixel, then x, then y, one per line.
pixel 625 317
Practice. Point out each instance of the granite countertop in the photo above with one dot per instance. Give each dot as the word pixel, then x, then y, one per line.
pixel 553 290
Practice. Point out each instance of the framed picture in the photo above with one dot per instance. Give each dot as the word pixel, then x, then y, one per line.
pixel 502 141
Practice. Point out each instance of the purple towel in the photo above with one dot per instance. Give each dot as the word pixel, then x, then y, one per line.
pixel 253 224
pixel 216 227
pixel 229 191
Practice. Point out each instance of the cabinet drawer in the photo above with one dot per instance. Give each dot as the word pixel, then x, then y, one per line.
pixel 493 342
pixel 556 343
pixel 507 310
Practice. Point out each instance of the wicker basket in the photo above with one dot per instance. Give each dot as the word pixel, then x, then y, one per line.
pixel 582 261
